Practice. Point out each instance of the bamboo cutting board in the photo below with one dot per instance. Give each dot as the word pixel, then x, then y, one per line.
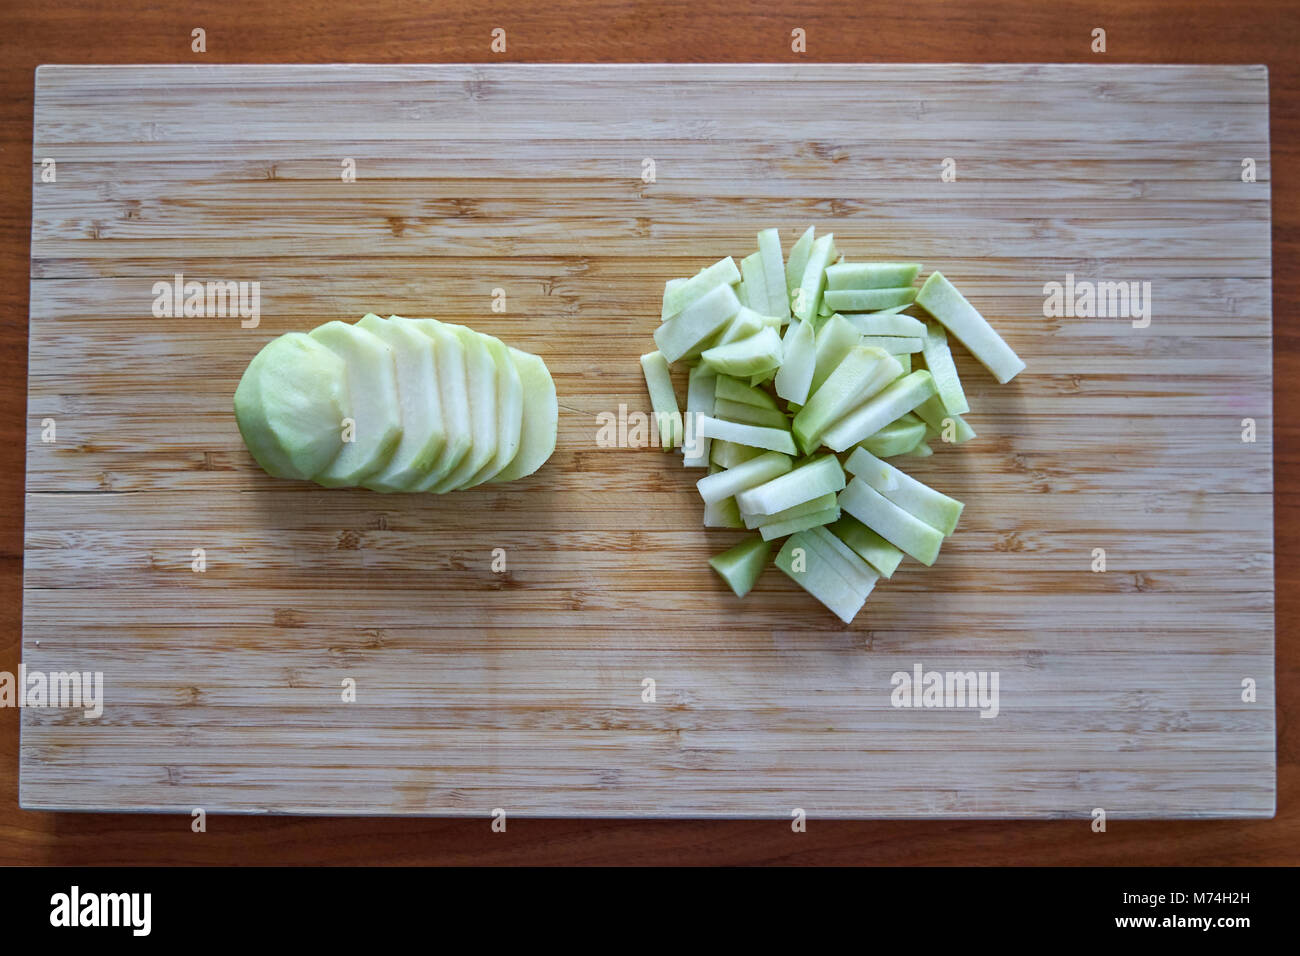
pixel 525 690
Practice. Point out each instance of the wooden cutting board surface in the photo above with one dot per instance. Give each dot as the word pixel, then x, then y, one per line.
pixel 524 691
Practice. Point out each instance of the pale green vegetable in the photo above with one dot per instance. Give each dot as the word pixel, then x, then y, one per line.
pixel 538 431
pixel 752 291
pixel 669 286
pixel 896 525
pixel 663 399
pixel 937 419
pixel 726 484
pixel 453 390
pixel 736 391
pixel 794 266
pixel 834 340
pixel 814 519
pixel 372 403
pixel 887 323
pixel 729 454
pixel 808 298
pixel 510 412
pixel 722 514
pixel 868 300
pixel 776 294
pixel 871 275
pixel 871 547
pixel 898 437
pixel 740 566
pixel 938 359
pixel 862 373
pixel 893 344
pixel 941 299
pixel 701 390
pixel 748 414
pixel 918 499
pixel 678 298
pixel 810 480
pixel 289 406
pixel 774 439
pixel 804 563
pixel 847 561
pixel 820 503
pixel 799 361
pixel 481 377
pixel 874 414
pixel 747 356
pixel 686 333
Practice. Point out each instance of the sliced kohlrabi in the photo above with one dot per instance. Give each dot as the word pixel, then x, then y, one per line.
pixel 373 405
pixel 888 323
pixel 799 361
pixel 721 273
pixel 868 300
pixel 722 514
pixel 893 344
pixel 850 564
pixel 896 525
pixel 728 454
pixel 734 390
pixel 726 484
pixel 919 450
pixel 871 275
pixel 685 334
pixel 868 418
pixel 794 266
pixel 481 376
pixel 834 340
pixel 776 294
pixel 663 399
pixel 820 503
pixel 804 563
pixel 917 498
pixel 808 297
pixel 952 428
pixel 510 412
pixel 896 438
pixel 941 299
pixel 740 566
pixel 773 439
pixel 863 372
pixel 752 291
pixel 748 414
pixel 748 356
pixel 810 480
pixel 453 390
pixel 871 547
pixel 701 390
pixel 938 359
pixel 814 519
pixel 538 430
pixel 669 286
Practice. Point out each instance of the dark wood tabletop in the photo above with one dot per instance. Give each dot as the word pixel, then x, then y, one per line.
pixel 303 31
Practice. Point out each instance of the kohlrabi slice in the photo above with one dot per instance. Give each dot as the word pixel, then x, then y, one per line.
pixel 896 525
pixel 762 378
pixel 871 547
pixel 834 340
pixel 748 414
pixel 814 519
pixel 538 430
pixel 808 297
pixel 722 514
pixel 773 439
pixel 896 438
pixel 920 500
pixel 868 300
pixel 893 344
pixel 663 399
pixel 810 480
pixel 820 503
pixel 740 566
pixel 510 412
pixel 419 401
pixel 871 275
pixel 679 297
pixel 686 333
pixel 878 411
pixel 453 391
pixel 777 295
pixel 952 428
pixel 905 360
pixel 373 405
pixel 862 372
pixel 794 266
pixel 752 292
pixel 726 484
pixel 669 286
pixel 920 450
pixel 850 564
pixel 734 390
pixel 701 390
pixel 938 359
pixel 729 454
pixel 804 563
pixel 747 356
pixel 941 299
pixel 290 404
pixel 799 361
pixel 888 323
pixel 481 380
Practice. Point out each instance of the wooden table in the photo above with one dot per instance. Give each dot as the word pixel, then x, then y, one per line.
pixel 1147 34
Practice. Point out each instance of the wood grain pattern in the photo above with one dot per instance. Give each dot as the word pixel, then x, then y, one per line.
pixel 522 691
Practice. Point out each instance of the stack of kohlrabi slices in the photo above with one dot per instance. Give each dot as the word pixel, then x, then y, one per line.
pixel 806 372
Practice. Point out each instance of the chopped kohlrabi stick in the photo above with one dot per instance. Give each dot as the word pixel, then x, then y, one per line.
pixel 868 300
pixel 794 377
pixel 748 356
pixel 896 525
pixel 748 414
pixel 685 334
pixel 810 480
pixel 887 323
pixel 905 360
pixel 814 519
pixel 740 566
pixel 663 400
pixel 871 275
pixel 734 390
pixel 941 299
pixel 861 373
pixel 834 340
pixel 871 547
pixel 920 450
pixel 669 286
pixel 941 423
pixel 803 562
pixel 747 322
pixel 898 437
pixel 762 378
pixel 723 272
pixel 725 484
pixel 938 359
pixel 699 401
pixel 728 454
pixel 777 296
pixel 773 439
pixel 820 503
pixel 874 414
pixel 893 344
pixel 752 290
pixel 808 297
pixel 920 500
pixel 722 514
pixel 798 260
pixel 846 559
